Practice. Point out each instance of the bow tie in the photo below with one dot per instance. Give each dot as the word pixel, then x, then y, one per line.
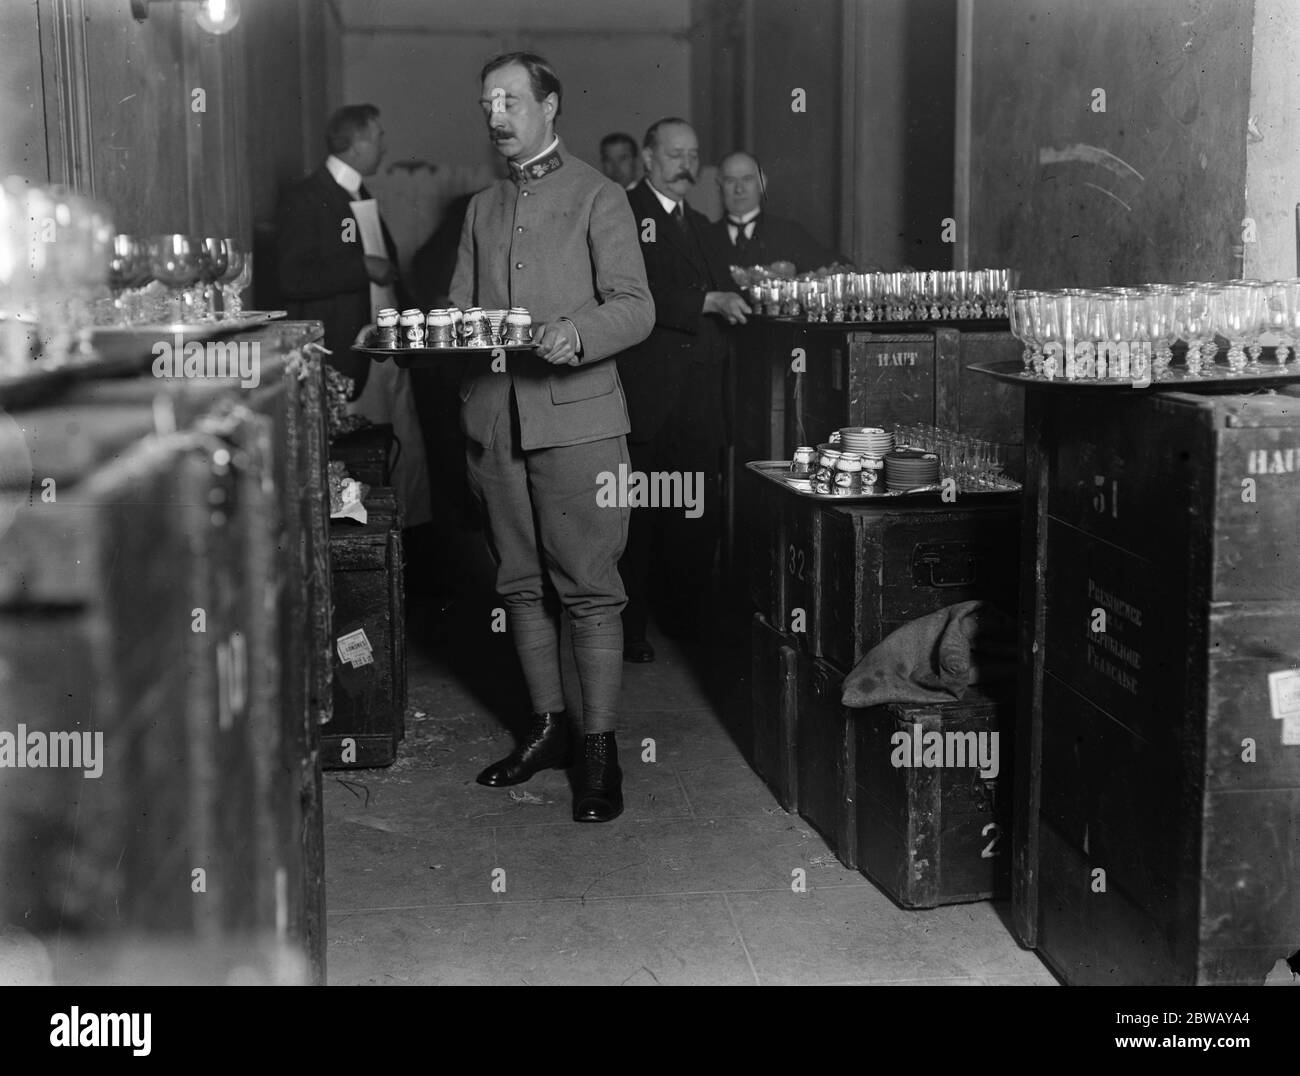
pixel 742 223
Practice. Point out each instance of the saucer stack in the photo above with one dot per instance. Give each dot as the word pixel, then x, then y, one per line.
pixel 866 441
pixel 871 443
pixel 907 468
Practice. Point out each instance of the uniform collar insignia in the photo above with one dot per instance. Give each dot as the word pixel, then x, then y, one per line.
pixel 535 170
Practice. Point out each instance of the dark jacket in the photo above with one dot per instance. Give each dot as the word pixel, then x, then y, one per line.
pixel 681 270
pixel 774 239
pixel 322 277
pixel 559 241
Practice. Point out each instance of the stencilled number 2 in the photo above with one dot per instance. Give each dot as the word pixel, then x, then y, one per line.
pixel 795 562
pixel 990 849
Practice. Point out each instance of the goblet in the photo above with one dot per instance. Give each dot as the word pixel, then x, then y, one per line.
pixel 1275 319
pixel 128 267
pixel 239 274
pixel 1192 324
pixel 216 264
pixel 1044 319
pixel 176 262
pixel 1233 315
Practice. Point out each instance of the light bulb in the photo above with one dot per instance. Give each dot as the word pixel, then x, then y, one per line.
pixel 218 16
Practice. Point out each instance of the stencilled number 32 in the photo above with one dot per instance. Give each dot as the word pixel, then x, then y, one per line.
pixel 796 562
pixel 990 849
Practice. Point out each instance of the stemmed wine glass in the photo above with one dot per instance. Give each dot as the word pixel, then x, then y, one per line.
pixel 1233 316
pixel 239 271
pixel 1045 321
pixel 128 268
pixel 176 262
pixel 1275 319
pixel 216 264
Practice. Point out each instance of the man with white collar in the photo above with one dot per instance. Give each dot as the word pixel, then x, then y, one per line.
pixel 753 236
pixel 338 264
pixel 557 238
pixel 674 383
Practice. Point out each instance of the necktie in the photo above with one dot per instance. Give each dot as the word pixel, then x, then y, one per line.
pixel 679 218
pixel 744 229
pixel 363 195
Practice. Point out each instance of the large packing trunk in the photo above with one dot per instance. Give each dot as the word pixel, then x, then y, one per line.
pixel 1158 798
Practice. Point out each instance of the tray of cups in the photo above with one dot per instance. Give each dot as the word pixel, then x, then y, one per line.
pixel 413 337
pixel 781 473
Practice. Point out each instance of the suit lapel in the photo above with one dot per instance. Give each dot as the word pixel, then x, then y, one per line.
pixel 665 229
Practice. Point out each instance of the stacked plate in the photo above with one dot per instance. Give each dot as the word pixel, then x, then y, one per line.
pixel 866 440
pixel 907 468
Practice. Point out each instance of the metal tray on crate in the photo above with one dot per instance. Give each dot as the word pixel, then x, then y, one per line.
pixel 1215 375
pixel 778 472
pixel 965 325
pixel 127 348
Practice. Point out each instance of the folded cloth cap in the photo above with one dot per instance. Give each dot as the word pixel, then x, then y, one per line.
pixel 936 657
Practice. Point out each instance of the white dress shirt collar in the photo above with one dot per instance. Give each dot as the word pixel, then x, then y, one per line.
pixel 669 205
pixel 344 175
pixel 545 153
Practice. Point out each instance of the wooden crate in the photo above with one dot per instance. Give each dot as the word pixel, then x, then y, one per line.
pixel 878 568
pixel 933 834
pixel 761 525
pixel 367 452
pixel 286 558
pixel 101 593
pixel 369 710
pixel 1175 516
pixel 774 711
pixel 826 752
pixel 860 379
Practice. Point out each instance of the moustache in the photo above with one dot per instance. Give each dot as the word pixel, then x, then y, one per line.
pixel 687 176
pixel 501 136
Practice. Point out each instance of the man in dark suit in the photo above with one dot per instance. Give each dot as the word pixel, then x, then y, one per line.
pixel 674 386
pixel 325 272
pixel 751 235
pixel 546 429
pixel 338 265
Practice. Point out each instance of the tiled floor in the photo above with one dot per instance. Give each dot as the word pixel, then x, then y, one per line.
pixel 692 885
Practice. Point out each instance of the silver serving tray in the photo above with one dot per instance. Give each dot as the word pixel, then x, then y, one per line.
pixel 1212 375
pixel 778 471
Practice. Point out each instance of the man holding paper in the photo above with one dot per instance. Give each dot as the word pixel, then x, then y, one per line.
pixel 338 265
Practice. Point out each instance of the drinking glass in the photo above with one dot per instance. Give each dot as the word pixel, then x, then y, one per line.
pixel 1275 319
pixel 1192 324
pixel 1161 304
pixel 128 267
pixel 1045 320
pixel 1233 316
pixel 236 260
pixel 216 264
pixel 177 263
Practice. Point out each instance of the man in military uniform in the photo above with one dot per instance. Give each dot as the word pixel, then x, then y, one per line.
pixel 557 238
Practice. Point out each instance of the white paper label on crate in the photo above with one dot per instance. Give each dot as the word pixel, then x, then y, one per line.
pixel 1284 698
pixel 355 650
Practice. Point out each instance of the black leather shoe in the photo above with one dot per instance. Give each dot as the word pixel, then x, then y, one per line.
pixel 547 745
pixel 639 651
pixel 600 781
